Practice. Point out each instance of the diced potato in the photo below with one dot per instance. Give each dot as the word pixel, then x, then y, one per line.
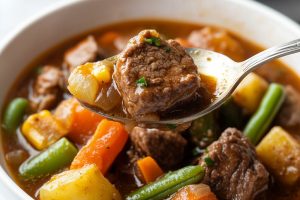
pixel 82 84
pixel 103 71
pixel 86 183
pixel 250 92
pixel 43 129
pixel 280 152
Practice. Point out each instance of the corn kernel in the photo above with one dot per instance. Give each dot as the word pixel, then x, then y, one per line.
pixel 102 73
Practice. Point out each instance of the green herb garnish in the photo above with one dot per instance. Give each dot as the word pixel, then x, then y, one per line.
pixel 142 82
pixel 209 162
pixel 153 41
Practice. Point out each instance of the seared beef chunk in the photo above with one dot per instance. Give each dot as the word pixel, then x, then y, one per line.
pixel 153 75
pixel 166 147
pixel 47 88
pixel 233 170
pixel 289 114
pixel 217 40
pixel 85 51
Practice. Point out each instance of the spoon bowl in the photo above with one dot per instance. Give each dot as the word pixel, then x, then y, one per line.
pixel 228 75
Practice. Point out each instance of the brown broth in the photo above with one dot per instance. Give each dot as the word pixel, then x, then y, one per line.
pixel 273 72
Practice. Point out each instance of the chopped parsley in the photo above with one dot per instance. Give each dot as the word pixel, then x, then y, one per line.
pixel 209 162
pixel 172 126
pixel 153 41
pixel 142 82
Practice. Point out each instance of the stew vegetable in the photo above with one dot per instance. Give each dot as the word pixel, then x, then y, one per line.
pixel 55 148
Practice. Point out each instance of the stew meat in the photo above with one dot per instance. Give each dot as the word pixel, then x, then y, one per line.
pixel 86 51
pixel 57 149
pixel 289 115
pixel 165 146
pixel 47 88
pixel 217 40
pixel 168 73
pixel 235 173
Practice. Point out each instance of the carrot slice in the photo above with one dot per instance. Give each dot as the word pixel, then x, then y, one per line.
pixel 149 169
pixel 108 38
pixel 109 139
pixel 194 192
pixel 80 122
pixel 84 124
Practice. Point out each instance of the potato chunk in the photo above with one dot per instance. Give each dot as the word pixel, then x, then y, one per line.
pixel 82 84
pixel 250 92
pixel 87 80
pixel 86 183
pixel 280 152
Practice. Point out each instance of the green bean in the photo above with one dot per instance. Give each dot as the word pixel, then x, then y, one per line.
pixel 265 113
pixel 57 156
pixel 14 113
pixel 168 184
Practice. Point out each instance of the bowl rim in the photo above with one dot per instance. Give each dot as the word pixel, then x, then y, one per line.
pixel 5 178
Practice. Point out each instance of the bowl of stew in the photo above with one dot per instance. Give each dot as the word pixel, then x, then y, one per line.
pixel 52 147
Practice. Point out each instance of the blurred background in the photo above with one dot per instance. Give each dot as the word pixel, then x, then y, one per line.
pixel 14 12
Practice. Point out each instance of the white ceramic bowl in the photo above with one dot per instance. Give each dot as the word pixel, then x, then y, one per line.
pixel 246 18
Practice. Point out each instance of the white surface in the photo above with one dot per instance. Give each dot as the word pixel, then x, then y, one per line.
pixel 14 12
pixel 247 18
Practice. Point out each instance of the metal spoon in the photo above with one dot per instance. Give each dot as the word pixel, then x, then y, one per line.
pixel 227 73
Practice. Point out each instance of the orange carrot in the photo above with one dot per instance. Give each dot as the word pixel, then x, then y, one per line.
pixel 108 38
pixel 80 122
pixel 104 146
pixel 84 124
pixel 194 192
pixel 149 169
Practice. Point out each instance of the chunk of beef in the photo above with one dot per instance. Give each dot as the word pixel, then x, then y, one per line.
pixel 166 147
pixel 289 114
pixel 169 72
pixel 234 173
pixel 217 40
pixel 85 51
pixel 47 88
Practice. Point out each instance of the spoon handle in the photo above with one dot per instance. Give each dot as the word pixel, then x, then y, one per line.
pixel 270 54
